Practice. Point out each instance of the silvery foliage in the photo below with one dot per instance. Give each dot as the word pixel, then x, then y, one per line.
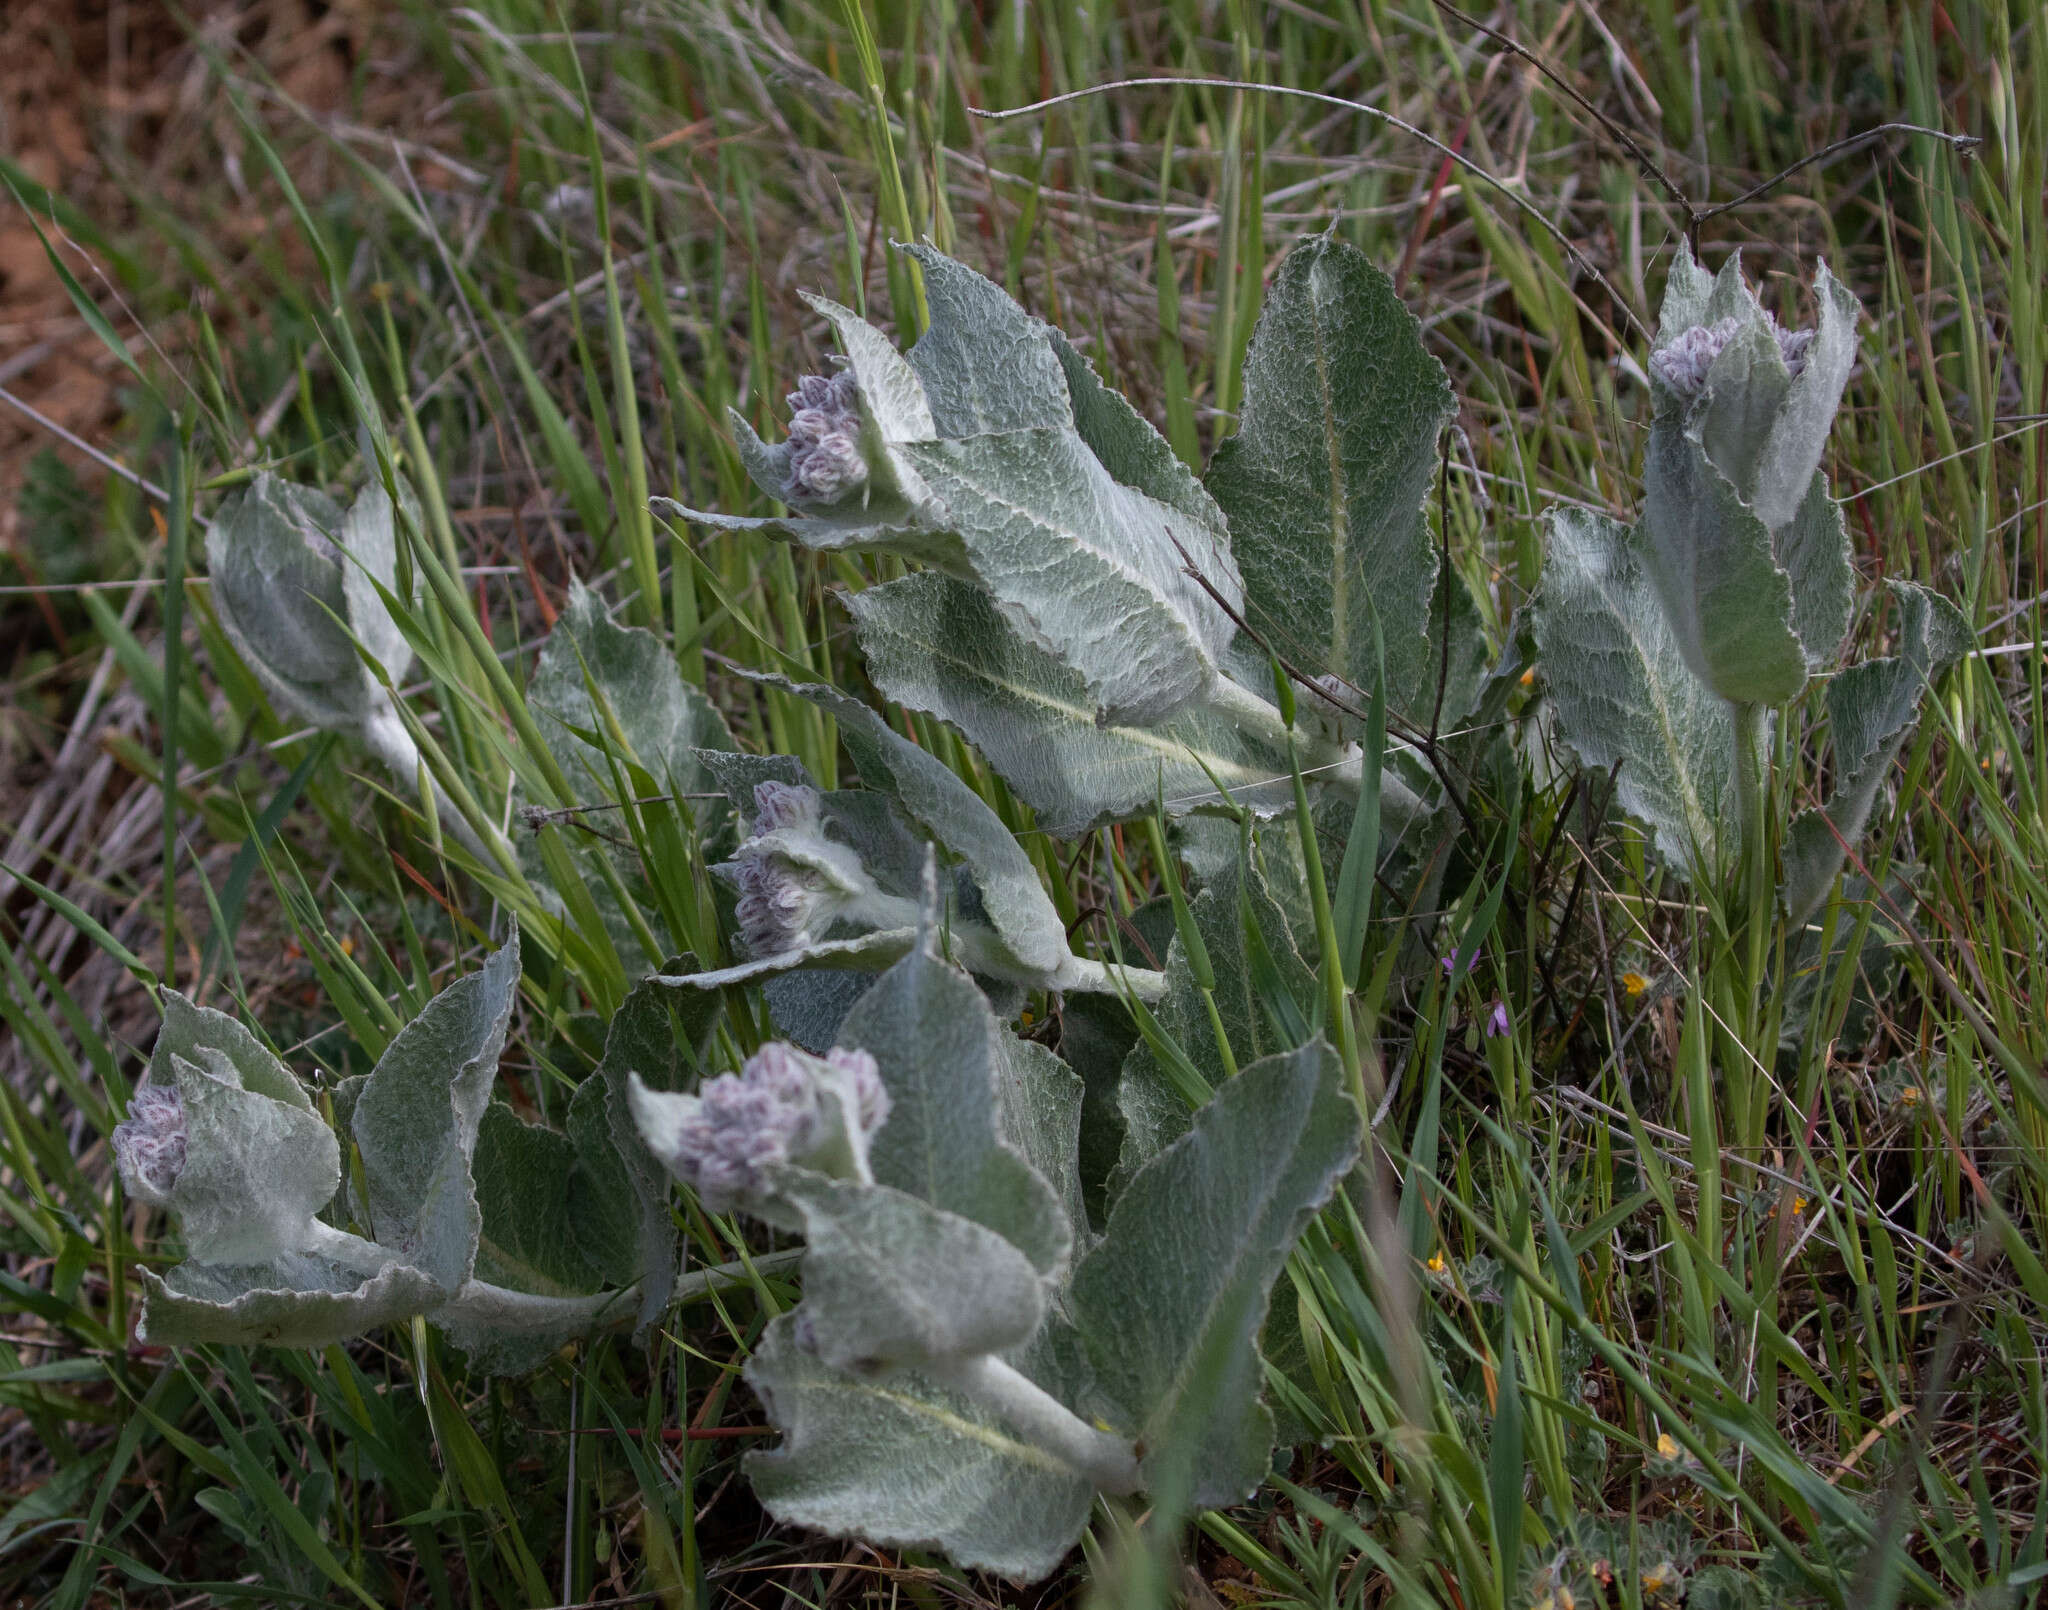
pixel 1732 589
pixel 1055 622
pixel 834 880
pixel 625 729
pixel 971 1363
pixel 511 1238
pixel 296 588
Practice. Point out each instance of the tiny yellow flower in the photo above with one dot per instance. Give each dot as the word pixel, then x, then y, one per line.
pixel 1798 1206
pixel 348 944
pixel 1529 676
pixel 1667 1446
pixel 1634 983
pixel 1436 1264
pixel 1910 1096
pixel 1024 1018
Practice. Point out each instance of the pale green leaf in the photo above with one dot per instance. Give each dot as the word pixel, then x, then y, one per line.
pixel 369 533
pixel 257 1169
pixel 1813 548
pixel 1686 291
pixel 604 1205
pixel 416 1120
pixel 1012 899
pixel 1084 565
pixel 507 1332
pixel 1324 482
pixel 664 721
pixel 1137 455
pixel 905 1464
pixel 1622 692
pixel 894 1283
pixel 528 1239
pixel 1785 467
pixel 189 1028
pixel 278 594
pixel 1040 1100
pixel 986 364
pixel 1872 708
pixel 1711 561
pixel 294 1301
pixel 943 1058
pixel 940 645
pixel 653 1034
pixel 1177 1289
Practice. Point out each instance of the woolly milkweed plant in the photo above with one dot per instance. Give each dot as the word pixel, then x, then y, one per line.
pixel 1034 1284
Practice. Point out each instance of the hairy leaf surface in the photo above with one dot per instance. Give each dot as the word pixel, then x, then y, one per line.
pixel 1325 480
pixel 1194 1244
pixel 906 1464
pixel 942 1056
pixel 941 646
pixel 417 1117
pixel 1623 693
pixel 1872 708
pixel 892 1282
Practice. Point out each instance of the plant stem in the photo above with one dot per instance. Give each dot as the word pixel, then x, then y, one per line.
pixel 1105 1459
pixel 1759 893
pixel 1341 765
pixel 503 1307
pixel 1083 975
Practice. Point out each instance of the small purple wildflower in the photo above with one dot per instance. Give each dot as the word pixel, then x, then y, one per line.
pixel 1792 345
pixel 793 882
pixel 825 462
pixel 1450 962
pixel 149 1144
pixel 1497 1021
pixel 772 1111
pixel 1683 363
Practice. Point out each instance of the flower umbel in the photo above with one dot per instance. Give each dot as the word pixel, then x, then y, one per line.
pixel 825 462
pixel 783 1106
pixel 149 1144
pixel 794 882
pixel 1683 363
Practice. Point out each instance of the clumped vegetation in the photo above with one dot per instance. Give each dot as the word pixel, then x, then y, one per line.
pixel 929 823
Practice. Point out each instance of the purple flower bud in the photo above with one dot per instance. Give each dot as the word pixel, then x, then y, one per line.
pixel 1683 364
pixel 784 1106
pixel 825 462
pixel 149 1144
pixel 785 805
pixel 793 881
pixel 1792 345
pixel 864 1082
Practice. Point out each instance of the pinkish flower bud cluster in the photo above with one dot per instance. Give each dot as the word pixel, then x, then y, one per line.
pixel 1682 364
pixel 825 462
pixel 149 1144
pixel 782 1107
pixel 793 882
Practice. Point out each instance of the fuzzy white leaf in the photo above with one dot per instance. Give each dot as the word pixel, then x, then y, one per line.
pixel 416 1120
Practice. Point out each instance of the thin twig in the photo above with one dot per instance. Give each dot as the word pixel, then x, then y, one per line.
pixel 1963 145
pixel 1521 202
